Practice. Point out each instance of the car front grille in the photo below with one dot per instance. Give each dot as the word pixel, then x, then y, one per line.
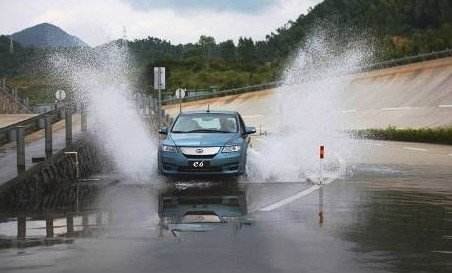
pixel 199 156
pixel 200 152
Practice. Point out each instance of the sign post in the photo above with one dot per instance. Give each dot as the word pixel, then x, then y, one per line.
pixel 180 94
pixel 159 84
pixel 60 96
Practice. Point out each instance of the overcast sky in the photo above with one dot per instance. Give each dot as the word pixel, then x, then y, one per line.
pixel 180 21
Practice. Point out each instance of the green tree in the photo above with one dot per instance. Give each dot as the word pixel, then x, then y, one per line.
pixel 227 50
pixel 246 50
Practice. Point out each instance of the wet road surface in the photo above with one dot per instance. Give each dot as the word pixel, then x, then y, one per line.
pixel 379 218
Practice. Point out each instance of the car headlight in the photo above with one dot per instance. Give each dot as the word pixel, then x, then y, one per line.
pixel 169 149
pixel 231 149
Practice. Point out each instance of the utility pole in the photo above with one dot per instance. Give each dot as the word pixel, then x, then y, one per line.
pixel 124 36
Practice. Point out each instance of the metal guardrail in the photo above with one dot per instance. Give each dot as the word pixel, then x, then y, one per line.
pixel 17 132
pixel 381 65
pixel 409 60
pixel 31 125
pixel 233 91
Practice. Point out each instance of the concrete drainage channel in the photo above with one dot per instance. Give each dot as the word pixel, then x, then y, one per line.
pixel 53 190
pixel 37 187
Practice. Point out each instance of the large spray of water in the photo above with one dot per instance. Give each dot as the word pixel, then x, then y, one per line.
pixel 100 78
pixel 310 111
pixel 308 105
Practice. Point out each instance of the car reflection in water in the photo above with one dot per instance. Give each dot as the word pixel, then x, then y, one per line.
pixel 202 209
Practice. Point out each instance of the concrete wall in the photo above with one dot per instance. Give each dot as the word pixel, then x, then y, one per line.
pixel 414 96
pixel 409 96
pixel 51 184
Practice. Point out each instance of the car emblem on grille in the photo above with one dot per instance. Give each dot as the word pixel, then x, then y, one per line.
pixel 199 151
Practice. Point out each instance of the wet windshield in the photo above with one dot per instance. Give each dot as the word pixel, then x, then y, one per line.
pixel 205 123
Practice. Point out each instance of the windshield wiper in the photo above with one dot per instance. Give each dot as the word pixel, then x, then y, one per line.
pixel 207 131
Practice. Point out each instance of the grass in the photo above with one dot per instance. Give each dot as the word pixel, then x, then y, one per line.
pixel 440 135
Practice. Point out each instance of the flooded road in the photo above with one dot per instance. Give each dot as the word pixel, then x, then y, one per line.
pixel 381 218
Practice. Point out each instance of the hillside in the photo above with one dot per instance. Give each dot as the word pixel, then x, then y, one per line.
pixel 394 28
pixel 46 35
pixel 398 28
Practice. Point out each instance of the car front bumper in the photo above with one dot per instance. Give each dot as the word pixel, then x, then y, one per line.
pixel 220 164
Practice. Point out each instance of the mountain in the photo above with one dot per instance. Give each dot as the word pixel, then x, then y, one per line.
pixel 46 35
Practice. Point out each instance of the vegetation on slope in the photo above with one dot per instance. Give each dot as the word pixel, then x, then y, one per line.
pixel 427 135
pixel 396 29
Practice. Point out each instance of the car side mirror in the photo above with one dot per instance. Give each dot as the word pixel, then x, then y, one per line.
pixel 250 130
pixel 163 131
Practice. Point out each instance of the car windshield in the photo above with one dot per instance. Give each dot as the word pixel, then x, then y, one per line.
pixel 206 123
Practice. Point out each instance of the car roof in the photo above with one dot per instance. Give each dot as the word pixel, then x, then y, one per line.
pixel 209 112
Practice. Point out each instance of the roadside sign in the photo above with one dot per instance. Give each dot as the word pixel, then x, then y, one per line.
pixel 159 78
pixel 180 93
pixel 322 152
pixel 60 95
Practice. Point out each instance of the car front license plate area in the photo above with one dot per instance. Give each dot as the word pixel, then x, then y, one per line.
pixel 198 164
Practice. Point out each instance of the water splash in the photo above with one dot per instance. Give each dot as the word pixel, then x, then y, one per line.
pixel 101 78
pixel 309 107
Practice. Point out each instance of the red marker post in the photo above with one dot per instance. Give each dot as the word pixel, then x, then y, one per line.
pixel 322 156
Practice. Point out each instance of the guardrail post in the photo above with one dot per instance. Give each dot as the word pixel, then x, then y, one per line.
pixel 85 222
pixel 68 124
pixel 20 148
pixel 148 105
pixel 84 117
pixel 70 224
pixel 99 219
pixel 21 227
pixel 49 227
pixel 48 136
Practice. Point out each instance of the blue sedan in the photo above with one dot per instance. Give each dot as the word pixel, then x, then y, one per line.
pixel 204 143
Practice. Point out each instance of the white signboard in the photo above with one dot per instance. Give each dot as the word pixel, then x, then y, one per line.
pixel 180 93
pixel 60 95
pixel 159 78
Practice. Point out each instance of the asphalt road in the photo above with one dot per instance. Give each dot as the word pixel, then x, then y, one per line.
pixel 390 212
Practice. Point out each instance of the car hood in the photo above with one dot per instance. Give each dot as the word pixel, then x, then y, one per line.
pixel 203 139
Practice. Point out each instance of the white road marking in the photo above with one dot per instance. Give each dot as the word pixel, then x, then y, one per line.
pixel 290 199
pixel 396 108
pixel 349 111
pixel 445 106
pixel 442 251
pixel 415 149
